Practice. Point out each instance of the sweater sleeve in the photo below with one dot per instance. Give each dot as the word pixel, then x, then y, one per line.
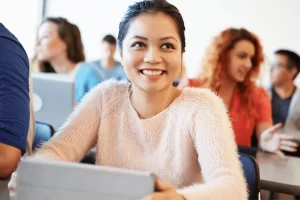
pixel 217 153
pixel 80 132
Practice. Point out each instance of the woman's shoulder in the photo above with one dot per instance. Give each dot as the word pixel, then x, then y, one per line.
pixel 107 91
pixel 260 93
pixel 85 68
pixel 113 87
pixel 201 97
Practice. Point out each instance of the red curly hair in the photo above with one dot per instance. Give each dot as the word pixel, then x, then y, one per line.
pixel 216 60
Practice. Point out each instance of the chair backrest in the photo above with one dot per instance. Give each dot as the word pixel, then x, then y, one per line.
pixel 251 151
pixel 251 172
pixel 43 132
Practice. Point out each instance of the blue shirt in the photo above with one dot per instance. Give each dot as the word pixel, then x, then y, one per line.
pixel 280 107
pixel 14 91
pixel 85 79
pixel 91 74
pixel 116 72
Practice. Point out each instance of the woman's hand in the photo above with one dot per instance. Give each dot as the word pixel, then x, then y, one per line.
pixel 12 186
pixel 274 142
pixel 164 191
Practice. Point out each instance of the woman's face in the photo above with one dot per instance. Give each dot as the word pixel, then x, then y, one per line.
pixel 151 54
pixel 49 45
pixel 240 60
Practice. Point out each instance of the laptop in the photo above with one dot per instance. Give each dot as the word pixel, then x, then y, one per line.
pixel 48 180
pixel 53 98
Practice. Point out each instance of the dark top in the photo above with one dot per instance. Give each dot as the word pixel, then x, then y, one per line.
pixel 280 107
pixel 14 91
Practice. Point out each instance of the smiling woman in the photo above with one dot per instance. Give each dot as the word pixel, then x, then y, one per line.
pixel 138 125
pixel 152 58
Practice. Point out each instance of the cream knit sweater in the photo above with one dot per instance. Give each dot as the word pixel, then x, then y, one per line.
pixel 190 144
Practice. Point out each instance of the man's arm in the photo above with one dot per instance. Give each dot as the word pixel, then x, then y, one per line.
pixel 14 101
pixel 9 158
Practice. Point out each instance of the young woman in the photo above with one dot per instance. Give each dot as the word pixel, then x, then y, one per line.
pixel 230 67
pixel 184 137
pixel 59 49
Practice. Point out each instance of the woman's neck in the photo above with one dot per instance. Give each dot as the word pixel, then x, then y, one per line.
pixel 226 92
pixel 63 65
pixel 149 104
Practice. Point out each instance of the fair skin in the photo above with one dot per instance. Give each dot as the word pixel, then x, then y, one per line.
pixel 51 48
pixel 108 51
pixel 152 60
pixel 282 77
pixel 239 65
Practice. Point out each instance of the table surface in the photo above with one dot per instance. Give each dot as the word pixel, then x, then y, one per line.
pixel 279 175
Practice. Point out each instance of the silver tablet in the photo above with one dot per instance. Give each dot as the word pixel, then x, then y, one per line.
pixel 52 180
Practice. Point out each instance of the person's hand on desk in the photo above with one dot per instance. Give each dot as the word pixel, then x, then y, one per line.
pixel 164 191
pixel 273 142
pixel 12 185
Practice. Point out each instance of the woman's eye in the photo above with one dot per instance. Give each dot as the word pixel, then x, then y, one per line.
pixel 138 44
pixel 167 46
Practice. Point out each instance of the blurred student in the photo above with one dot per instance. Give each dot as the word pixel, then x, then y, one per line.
pixel 285 94
pixel 107 66
pixel 59 49
pixel 230 67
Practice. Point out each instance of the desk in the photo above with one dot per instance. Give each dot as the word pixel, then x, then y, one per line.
pixel 3 190
pixel 278 175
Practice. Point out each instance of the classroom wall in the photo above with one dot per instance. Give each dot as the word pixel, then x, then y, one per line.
pixel 22 17
pixel 275 21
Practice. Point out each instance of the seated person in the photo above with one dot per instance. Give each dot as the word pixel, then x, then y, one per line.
pixel 59 49
pixel 285 95
pixel 107 66
pixel 14 102
pixel 230 67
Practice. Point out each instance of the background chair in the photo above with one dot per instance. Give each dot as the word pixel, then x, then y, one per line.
pixel 251 172
pixel 251 151
pixel 43 132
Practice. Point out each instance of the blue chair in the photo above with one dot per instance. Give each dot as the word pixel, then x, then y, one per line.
pixel 251 151
pixel 251 172
pixel 43 132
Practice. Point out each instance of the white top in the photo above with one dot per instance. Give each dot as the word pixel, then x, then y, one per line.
pixel 190 144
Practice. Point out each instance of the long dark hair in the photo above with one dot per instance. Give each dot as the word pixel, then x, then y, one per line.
pixel 70 34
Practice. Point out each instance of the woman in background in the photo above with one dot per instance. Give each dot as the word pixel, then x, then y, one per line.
pixel 230 67
pixel 59 49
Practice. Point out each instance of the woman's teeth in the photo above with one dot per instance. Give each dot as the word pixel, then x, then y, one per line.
pixel 152 72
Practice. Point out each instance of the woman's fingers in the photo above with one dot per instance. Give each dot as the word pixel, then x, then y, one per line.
pixel 285 137
pixel 281 155
pixel 287 148
pixel 275 128
pixel 289 143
